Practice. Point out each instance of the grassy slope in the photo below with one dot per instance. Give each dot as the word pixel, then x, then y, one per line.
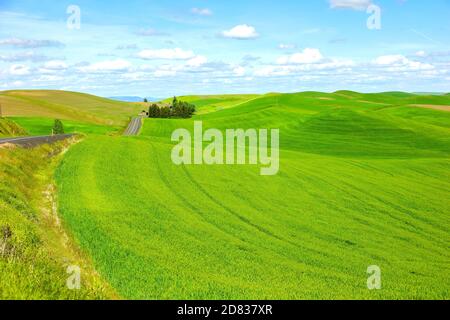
pixel 67 105
pixel 211 103
pixel 34 257
pixel 363 181
pixel 43 126
pixel 9 128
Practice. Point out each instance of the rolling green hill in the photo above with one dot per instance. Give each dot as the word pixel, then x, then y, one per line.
pixel 211 103
pixel 67 105
pixel 36 126
pixel 364 180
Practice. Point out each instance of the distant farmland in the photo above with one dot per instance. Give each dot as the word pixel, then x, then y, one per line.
pixel 67 105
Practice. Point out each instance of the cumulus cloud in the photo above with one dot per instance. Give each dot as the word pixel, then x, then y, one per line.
pixel 241 32
pixel 197 61
pixel 308 55
pixel 325 66
pixel 309 60
pixel 390 60
pixel 166 54
pixel 202 12
pixel 350 4
pixel 400 63
pixel 28 43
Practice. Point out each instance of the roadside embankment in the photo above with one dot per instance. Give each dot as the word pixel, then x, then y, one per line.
pixel 37 256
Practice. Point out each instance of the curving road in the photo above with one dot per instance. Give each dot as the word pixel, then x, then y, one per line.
pixel 134 127
pixel 31 142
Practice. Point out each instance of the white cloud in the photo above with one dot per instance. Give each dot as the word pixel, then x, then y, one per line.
pixel 241 32
pixel 324 66
pixel 285 46
pixel 400 63
pixel 330 64
pixel 239 71
pixel 202 12
pixel 197 61
pixel 166 54
pixel 308 55
pixel 107 66
pixel 421 54
pixel 390 60
pixel 350 4
pixel 19 70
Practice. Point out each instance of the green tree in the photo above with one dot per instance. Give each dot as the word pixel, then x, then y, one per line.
pixel 145 100
pixel 165 112
pixel 183 110
pixel 58 127
pixel 191 109
pixel 154 111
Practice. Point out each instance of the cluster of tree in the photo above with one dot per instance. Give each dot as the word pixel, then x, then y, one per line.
pixel 58 127
pixel 178 109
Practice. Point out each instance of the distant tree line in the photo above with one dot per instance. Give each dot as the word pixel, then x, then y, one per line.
pixel 178 109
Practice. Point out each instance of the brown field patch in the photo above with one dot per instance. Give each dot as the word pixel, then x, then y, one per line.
pixel 431 106
pixel 373 102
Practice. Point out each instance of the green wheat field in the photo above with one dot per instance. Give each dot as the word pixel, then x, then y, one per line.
pixel 364 180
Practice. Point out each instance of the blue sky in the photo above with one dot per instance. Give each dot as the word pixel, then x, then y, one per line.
pixel 165 48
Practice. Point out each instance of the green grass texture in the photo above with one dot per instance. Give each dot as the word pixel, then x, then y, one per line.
pixel 43 126
pixel 364 180
pixel 34 248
